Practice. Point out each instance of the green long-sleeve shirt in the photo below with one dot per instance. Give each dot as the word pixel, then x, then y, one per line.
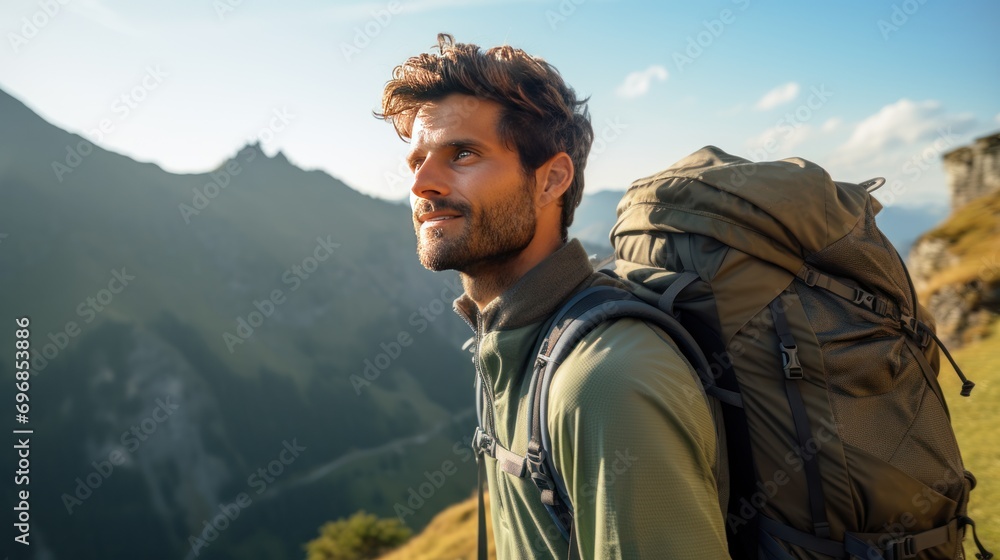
pixel 631 432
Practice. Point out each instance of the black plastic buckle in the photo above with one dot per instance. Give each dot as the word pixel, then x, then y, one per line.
pixel 811 278
pixel 790 361
pixel 881 306
pixel 482 443
pixel 864 298
pixel 915 329
pixel 903 547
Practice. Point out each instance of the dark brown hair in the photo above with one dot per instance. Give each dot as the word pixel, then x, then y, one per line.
pixel 540 117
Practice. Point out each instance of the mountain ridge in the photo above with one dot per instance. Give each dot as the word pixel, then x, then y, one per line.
pixel 131 303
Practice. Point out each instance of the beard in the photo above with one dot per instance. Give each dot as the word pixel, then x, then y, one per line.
pixel 491 236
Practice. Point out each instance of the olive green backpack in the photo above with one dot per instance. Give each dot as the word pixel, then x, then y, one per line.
pixel 840 442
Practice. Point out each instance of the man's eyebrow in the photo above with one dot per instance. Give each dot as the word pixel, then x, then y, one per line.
pixel 465 143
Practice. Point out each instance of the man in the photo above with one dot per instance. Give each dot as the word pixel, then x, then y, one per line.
pixel 498 148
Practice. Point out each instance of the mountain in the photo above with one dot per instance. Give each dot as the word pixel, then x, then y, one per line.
pixel 593 220
pixel 904 224
pixel 204 343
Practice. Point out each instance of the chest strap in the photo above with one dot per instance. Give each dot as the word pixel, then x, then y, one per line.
pixel 510 462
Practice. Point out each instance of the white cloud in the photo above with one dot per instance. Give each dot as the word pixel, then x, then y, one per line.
pixel 832 124
pixel 779 139
pixel 903 124
pixel 778 96
pixel 638 83
pixel 997 118
pixel 904 142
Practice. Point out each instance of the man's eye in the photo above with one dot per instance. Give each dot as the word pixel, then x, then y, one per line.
pixel 415 165
pixel 462 153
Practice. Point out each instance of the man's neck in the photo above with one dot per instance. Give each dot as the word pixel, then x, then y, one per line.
pixel 488 281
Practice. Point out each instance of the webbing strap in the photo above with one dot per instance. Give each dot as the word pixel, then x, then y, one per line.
pixel 800 538
pixel 684 279
pixel 509 462
pixel 914 328
pixel 882 306
pixel 574 552
pixel 929 375
pixel 481 482
pixel 876 545
pixel 865 546
pixel 803 431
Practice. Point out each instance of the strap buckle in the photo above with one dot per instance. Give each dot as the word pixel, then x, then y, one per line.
pixel 916 330
pixel 535 458
pixel 864 298
pixel 811 277
pixel 903 547
pixel 482 443
pixel 790 361
pixel 536 461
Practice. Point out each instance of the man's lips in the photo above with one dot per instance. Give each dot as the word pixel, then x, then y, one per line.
pixel 440 217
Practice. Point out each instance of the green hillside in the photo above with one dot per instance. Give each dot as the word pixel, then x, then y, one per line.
pixel 974 420
pixel 138 305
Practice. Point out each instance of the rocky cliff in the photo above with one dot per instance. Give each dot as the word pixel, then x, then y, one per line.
pixel 973 171
pixel 956 266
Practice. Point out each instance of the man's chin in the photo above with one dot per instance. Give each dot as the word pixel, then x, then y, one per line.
pixel 436 260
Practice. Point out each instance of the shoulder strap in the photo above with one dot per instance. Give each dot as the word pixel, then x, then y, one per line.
pixel 577 318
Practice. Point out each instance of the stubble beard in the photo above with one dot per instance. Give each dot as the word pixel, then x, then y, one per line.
pixel 488 239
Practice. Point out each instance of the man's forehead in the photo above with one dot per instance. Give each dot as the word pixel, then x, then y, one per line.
pixel 456 113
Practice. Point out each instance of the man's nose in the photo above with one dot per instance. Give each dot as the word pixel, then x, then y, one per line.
pixel 429 181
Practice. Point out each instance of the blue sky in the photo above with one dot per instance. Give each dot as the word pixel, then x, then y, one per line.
pixel 862 88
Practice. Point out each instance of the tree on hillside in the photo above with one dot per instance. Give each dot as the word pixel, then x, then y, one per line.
pixel 359 537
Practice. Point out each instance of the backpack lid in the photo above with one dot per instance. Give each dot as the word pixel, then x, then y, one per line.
pixel 778 211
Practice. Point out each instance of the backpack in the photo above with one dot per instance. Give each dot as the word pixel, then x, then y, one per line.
pixel 803 325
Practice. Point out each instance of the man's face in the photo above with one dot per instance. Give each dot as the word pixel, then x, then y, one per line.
pixel 472 204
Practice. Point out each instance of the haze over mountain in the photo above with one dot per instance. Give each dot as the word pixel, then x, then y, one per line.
pixel 188 329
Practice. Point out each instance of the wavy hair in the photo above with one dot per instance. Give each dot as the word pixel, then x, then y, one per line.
pixel 540 115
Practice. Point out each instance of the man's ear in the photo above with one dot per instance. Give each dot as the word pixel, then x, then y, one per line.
pixel 553 178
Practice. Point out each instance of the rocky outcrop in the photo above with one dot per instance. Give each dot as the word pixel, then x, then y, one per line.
pixel 956 266
pixel 973 171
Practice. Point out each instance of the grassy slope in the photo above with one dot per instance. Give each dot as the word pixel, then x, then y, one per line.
pixel 973 235
pixel 975 422
pixel 451 535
